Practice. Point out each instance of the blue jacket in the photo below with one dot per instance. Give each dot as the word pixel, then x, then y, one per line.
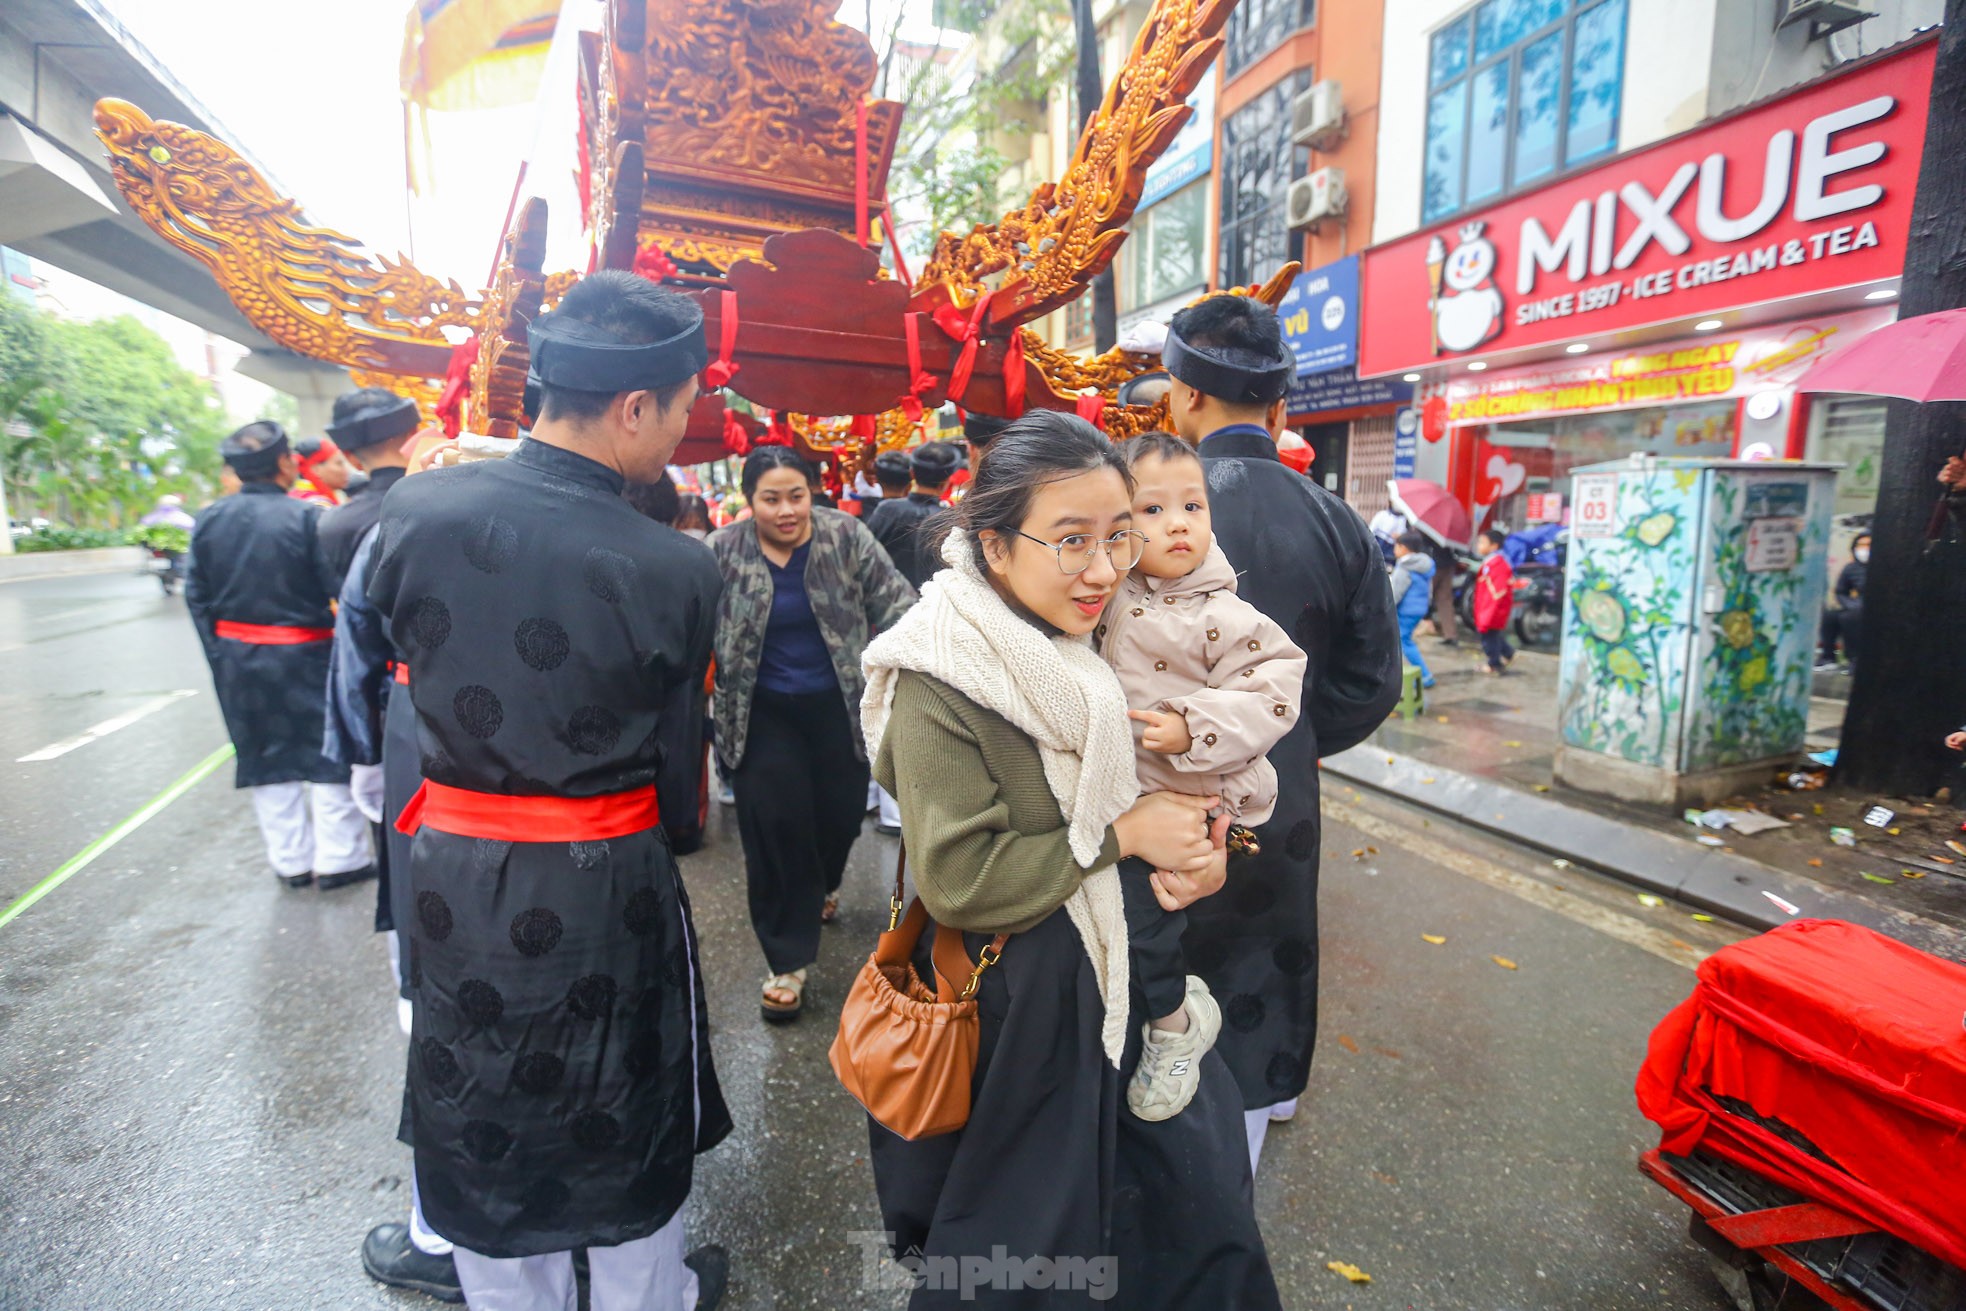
pixel 1413 585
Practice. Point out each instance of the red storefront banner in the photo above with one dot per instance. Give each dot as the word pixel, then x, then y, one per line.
pixel 1711 367
pixel 1807 193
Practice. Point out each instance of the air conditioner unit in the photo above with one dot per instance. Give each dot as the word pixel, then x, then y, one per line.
pixel 1319 196
pixel 1823 16
pixel 1317 116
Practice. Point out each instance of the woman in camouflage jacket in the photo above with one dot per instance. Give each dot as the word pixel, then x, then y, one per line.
pixel 805 588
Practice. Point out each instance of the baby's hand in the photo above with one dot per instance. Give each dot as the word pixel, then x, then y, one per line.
pixel 1166 733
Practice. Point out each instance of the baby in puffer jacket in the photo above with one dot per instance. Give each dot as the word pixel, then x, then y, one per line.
pixel 1212 684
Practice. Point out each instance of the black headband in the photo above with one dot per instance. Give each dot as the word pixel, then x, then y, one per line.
pixel 246 459
pixel 581 357
pixel 375 424
pixel 1238 384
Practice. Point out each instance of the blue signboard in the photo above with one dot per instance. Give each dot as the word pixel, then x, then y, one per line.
pixel 1320 317
pixel 1341 389
pixel 1406 442
pixel 1190 154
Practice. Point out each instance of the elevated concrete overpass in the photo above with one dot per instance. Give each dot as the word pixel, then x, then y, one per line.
pixel 59 203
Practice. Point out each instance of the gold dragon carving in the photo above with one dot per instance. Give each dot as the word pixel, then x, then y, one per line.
pixel 765 87
pixel 424 391
pixel 306 287
pixel 1049 250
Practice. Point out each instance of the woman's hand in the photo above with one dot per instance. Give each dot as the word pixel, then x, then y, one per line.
pixel 1957 741
pixel 1170 831
pixel 1166 731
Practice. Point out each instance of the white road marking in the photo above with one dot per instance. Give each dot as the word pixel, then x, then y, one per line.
pixel 106 727
pixel 1590 914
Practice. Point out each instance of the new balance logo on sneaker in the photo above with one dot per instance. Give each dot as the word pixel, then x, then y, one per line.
pixel 1170 1063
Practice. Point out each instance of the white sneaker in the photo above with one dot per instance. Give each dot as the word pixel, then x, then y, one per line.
pixel 1170 1063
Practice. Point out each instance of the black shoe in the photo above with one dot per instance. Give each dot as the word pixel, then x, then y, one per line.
pixel 329 882
pixel 391 1258
pixel 712 1265
pixel 888 830
pixel 295 880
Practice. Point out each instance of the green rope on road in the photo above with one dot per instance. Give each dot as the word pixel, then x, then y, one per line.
pixel 86 855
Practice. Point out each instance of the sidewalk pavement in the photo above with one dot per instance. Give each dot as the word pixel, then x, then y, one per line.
pixel 1483 751
pixel 47 564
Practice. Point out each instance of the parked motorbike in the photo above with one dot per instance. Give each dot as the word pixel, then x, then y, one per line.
pixel 1538 556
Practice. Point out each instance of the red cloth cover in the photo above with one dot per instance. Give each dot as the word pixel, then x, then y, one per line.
pixel 1850 1038
pixel 1494 596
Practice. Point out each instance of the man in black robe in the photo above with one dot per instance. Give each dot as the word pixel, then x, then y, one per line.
pixel 370 426
pixel 258 594
pixel 1305 559
pixel 559 1080
pixel 896 523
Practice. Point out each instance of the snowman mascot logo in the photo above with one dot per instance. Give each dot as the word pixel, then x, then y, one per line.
pixel 1469 311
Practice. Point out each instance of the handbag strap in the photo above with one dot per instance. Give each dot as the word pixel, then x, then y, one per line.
pixel 956 979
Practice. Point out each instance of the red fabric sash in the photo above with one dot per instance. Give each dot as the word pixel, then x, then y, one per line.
pixel 272 634
pixel 529 819
pixel 400 671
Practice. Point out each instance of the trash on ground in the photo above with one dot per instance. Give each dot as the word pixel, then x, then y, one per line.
pixel 1441 718
pixel 1748 822
pixel 1944 860
pixel 1958 847
pixel 1561 863
pixel 1505 962
pixel 1428 779
pixel 1786 907
pixel 1511 744
pixel 1709 840
pixel 1704 919
pixel 1434 938
pixel 1843 837
pixel 1647 899
pixel 1542 787
pixel 1876 878
pixel 1894 831
pixel 1350 1271
pixel 1815 862
pixel 1827 759
pixel 1911 873
pixel 1879 816
pixel 1807 780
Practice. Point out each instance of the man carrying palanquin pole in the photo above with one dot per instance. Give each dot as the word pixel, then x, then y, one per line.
pixel 259 595
pixel 560 1080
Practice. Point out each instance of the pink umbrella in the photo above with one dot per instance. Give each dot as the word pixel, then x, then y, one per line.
pixel 1433 510
pixel 1920 359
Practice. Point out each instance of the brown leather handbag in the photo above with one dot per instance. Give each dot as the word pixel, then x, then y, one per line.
pixel 907 1052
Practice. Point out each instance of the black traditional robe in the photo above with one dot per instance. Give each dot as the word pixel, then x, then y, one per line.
pixel 344 527
pixel 1305 559
pixel 897 524
pixel 255 560
pixel 560 1080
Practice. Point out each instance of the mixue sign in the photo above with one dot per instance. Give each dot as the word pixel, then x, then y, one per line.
pixel 1807 193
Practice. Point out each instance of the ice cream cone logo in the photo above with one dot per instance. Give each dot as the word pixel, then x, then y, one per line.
pixel 1468 312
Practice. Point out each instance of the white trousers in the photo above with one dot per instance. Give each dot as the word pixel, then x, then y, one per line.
pixel 889 807
pixel 1256 1124
pixel 312 828
pixel 645 1275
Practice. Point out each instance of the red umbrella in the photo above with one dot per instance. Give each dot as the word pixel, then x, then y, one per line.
pixel 1920 359
pixel 1433 510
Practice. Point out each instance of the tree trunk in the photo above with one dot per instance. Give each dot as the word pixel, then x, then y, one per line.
pixel 1909 689
pixel 1092 90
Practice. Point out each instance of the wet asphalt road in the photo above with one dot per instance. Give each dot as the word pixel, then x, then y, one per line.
pixel 200 1071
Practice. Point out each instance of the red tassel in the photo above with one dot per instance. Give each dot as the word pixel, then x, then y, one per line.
pixel 653 264
pixel 971 335
pixel 457 384
pixel 777 432
pixel 1013 375
pixel 1092 408
pixel 736 440
pixel 864 427
pixel 723 368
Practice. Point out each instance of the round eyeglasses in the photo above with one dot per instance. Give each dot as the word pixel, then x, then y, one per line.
pixel 1075 552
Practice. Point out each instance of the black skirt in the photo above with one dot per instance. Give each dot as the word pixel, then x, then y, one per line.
pixel 1053 1169
pixel 560 1081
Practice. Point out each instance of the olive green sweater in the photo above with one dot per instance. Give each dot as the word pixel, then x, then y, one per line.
pixel 987 843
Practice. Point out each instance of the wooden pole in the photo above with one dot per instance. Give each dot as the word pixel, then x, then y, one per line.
pixel 1092 90
pixel 1909 689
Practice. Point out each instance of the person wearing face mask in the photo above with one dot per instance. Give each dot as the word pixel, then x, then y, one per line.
pixel 804 589
pixel 1846 621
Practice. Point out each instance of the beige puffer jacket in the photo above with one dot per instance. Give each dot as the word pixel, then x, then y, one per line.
pixel 1193 646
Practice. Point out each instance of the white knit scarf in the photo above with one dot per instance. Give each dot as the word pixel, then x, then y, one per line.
pixel 1057 690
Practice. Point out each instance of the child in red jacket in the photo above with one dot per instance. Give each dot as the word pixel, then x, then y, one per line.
pixel 1494 599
